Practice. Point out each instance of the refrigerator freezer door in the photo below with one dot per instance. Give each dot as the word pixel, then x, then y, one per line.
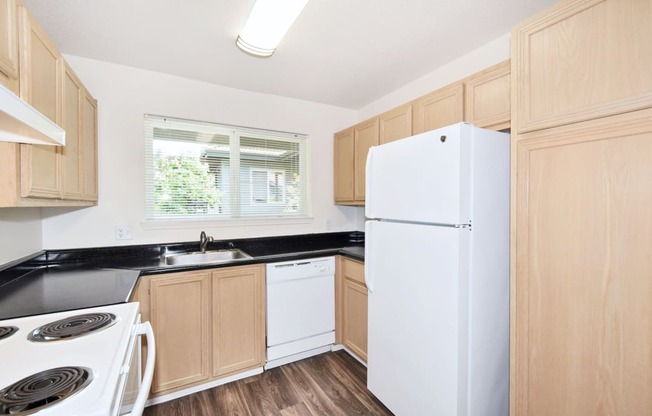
pixel 417 317
pixel 424 178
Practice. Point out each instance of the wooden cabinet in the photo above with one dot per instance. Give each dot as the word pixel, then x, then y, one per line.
pixel 238 319
pixel 581 284
pixel 351 319
pixel 41 74
pixel 9 45
pixel 395 124
pixel 581 219
pixel 351 147
pixel 487 105
pixel 581 60
pixel 343 166
pixel 40 175
pixel 180 317
pixel 365 135
pixel 89 147
pixel 487 97
pixel 438 109
pixel 208 324
pixel 71 153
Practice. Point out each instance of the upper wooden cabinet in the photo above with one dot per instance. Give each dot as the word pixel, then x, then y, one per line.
pixel 9 45
pixel 395 124
pixel 343 165
pixel 438 109
pixel 487 103
pixel 365 135
pixel 40 175
pixel 487 97
pixel 582 60
pixel 351 147
pixel 72 151
pixel 89 147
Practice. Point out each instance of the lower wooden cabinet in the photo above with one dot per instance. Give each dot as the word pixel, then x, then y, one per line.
pixel 238 319
pixel 180 317
pixel 352 306
pixel 208 324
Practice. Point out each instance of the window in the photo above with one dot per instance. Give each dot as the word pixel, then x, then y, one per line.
pixel 199 170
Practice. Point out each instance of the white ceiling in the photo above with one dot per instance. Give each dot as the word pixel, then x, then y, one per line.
pixel 346 53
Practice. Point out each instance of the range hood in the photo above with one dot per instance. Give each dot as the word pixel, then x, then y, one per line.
pixel 22 123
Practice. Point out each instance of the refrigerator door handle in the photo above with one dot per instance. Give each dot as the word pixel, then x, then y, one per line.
pixel 367 250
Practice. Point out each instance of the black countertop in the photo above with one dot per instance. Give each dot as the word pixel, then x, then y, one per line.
pixel 60 288
pixel 58 280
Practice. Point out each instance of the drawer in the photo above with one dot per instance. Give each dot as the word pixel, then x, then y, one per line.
pixel 353 270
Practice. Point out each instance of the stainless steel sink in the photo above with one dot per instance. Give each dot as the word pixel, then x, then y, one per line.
pixel 214 256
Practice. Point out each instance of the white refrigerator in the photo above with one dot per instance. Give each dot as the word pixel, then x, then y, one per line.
pixel 437 271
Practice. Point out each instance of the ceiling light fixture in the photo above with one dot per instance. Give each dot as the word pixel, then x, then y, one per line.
pixel 268 22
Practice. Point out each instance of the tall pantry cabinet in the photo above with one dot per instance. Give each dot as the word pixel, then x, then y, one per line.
pixel 581 284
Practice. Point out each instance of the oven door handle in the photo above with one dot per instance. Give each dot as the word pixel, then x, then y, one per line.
pixel 139 405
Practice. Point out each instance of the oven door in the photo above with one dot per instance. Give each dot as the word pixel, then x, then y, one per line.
pixel 135 383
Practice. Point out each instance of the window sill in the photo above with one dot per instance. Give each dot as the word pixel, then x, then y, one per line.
pixel 260 222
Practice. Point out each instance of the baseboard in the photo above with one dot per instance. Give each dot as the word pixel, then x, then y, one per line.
pixel 190 390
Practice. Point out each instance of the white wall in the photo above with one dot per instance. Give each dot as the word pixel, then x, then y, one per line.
pixel 485 56
pixel 20 233
pixel 124 94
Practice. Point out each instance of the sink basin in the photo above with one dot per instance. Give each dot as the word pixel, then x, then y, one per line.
pixel 215 256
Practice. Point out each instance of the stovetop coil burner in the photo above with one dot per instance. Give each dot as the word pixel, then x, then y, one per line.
pixel 7 331
pixel 44 389
pixel 72 327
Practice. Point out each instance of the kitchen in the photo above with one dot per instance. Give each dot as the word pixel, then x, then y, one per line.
pixel 125 94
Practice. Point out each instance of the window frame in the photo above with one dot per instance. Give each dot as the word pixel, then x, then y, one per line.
pixel 236 212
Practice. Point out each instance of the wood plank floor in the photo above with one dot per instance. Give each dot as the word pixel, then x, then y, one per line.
pixel 328 384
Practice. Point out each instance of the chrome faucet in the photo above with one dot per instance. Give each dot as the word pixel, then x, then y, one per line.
pixel 203 241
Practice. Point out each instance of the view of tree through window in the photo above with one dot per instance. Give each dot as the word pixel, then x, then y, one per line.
pixel 205 170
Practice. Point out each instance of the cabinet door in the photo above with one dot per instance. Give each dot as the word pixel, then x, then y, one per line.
pixel 238 319
pixel 395 124
pixel 582 60
pixel 355 318
pixel 344 161
pixel 365 135
pixel 438 109
pixel 71 153
pixel 487 97
pixel 9 45
pixel 180 313
pixel 89 147
pixel 581 287
pixel 41 68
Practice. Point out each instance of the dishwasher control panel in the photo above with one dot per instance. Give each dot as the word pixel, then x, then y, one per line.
pixel 300 269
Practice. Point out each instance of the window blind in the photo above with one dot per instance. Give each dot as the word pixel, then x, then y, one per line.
pixel 201 170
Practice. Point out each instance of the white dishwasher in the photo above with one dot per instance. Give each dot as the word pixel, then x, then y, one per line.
pixel 300 309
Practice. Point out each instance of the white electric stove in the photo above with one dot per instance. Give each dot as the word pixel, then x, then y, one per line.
pixel 48 369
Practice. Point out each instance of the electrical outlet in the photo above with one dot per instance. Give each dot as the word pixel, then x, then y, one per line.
pixel 122 232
